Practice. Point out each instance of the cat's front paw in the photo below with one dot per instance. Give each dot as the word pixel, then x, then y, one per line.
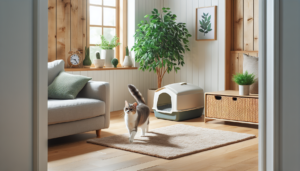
pixel 130 140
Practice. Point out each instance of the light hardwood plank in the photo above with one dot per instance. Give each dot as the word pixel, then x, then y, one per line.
pixel 256 25
pixel 248 25
pixel 238 25
pixel 63 29
pixel 51 30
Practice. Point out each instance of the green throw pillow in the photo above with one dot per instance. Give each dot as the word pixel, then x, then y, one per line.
pixel 66 86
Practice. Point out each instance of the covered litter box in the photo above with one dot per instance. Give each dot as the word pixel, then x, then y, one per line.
pixel 179 101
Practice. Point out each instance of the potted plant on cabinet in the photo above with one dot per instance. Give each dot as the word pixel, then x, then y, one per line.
pixel 99 63
pixel 107 49
pixel 244 80
pixel 160 45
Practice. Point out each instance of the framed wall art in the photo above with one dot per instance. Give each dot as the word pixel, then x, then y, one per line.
pixel 206 23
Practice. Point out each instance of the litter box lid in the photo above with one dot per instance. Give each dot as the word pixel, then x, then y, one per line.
pixel 183 88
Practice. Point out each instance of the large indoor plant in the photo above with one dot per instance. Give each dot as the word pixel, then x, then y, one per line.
pixel 160 43
pixel 244 80
pixel 107 49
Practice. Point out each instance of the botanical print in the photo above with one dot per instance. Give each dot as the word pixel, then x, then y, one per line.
pixel 205 24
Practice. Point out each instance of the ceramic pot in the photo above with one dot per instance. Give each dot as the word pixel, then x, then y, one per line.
pixel 127 62
pixel 99 63
pixel 150 98
pixel 108 55
pixel 244 90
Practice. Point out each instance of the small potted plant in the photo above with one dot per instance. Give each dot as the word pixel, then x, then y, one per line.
pixel 244 80
pixel 107 49
pixel 127 60
pixel 115 62
pixel 98 62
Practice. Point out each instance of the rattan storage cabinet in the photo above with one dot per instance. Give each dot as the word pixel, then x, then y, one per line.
pixel 229 105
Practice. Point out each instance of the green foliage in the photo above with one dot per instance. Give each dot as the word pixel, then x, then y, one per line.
pixel 115 62
pixel 127 51
pixel 106 45
pixel 160 42
pixel 205 24
pixel 97 55
pixel 87 60
pixel 243 79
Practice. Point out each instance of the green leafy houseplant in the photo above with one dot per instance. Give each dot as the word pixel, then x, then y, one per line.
pixel 205 24
pixel 243 79
pixel 106 45
pixel 160 43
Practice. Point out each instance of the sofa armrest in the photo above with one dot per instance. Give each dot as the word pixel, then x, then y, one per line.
pixel 98 90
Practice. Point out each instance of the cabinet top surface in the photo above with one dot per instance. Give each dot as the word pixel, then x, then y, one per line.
pixel 231 93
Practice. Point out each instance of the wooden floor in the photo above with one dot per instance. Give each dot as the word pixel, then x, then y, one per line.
pixel 72 153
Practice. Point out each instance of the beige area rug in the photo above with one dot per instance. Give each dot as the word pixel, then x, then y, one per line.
pixel 173 141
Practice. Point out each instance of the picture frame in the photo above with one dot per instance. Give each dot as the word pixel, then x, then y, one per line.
pixel 206 23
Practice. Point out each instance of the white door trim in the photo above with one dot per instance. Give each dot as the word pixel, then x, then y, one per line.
pixel 40 85
pixel 269 76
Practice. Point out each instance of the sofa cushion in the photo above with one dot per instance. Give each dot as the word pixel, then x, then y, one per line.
pixel 66 86
pixel 54 68
pixel 60 111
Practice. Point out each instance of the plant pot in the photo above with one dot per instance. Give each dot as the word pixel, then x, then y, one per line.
pixel 108 55
pixel 150 98
pixel 127 62
pixel 99 63
pixel 244 90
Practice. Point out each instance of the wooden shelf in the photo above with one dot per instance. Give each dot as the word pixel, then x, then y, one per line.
pixel 98 69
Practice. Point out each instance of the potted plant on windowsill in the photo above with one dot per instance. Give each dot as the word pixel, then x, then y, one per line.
pixel 107 50
pixel 244 80
pixel 160 45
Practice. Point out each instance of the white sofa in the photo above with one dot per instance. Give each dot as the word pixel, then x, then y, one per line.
pixel 89 111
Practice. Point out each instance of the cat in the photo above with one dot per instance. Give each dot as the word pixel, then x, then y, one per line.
pixel 136 114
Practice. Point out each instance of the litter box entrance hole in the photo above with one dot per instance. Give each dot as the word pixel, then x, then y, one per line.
pixel 164 102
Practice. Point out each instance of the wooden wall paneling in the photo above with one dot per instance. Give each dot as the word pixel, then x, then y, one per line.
pixel 207 59
pixel 248 25
pixel 234 69
pixel 221 39
pixel 215 55
pixel 241 60
pixel 51 30
pixel 84 26
pixel 183 18
pixel 238 24
pixel 63 29
pixel 194 47
pixel 177 10
pixel 123 29
pixel 256 21
pixel 189 23
pixel 228 40
pixel 76 26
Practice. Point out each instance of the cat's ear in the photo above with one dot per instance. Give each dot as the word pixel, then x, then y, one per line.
pixel 135 104
pixel 126 103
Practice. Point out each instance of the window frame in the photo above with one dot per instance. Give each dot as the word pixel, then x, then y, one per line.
pixel 117 27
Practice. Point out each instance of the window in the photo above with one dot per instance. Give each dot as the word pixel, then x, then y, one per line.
pixel 103 19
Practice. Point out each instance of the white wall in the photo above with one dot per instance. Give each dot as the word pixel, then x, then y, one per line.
pixel 16 75
pixel 205 63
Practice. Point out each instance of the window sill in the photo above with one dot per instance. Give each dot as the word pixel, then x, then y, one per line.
pixel 98 69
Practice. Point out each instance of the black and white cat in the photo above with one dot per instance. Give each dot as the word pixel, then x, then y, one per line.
pixel 136 114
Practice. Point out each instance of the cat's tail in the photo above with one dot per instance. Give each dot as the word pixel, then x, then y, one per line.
pixel 136 94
